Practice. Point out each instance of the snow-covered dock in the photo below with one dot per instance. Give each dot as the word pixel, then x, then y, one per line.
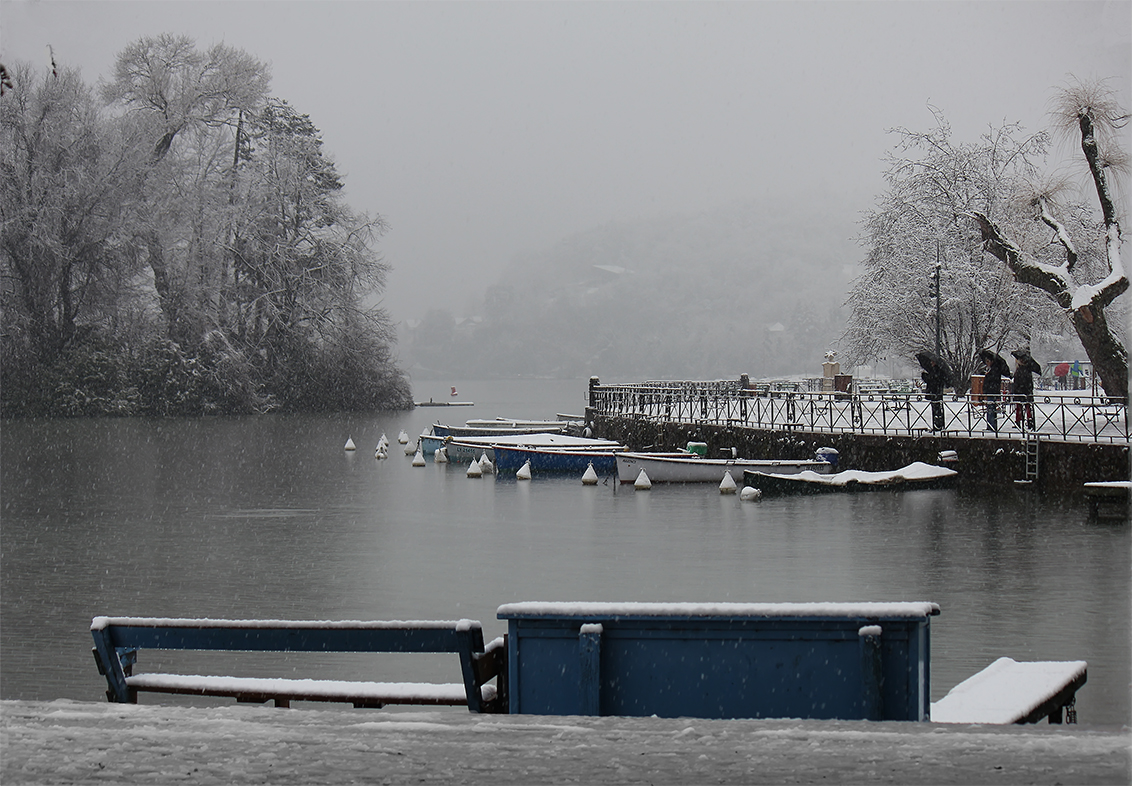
pixel 86 742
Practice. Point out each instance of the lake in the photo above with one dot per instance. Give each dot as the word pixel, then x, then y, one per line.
pixel 268 517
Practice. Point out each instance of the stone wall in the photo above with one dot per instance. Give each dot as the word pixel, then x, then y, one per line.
pixel 1062 466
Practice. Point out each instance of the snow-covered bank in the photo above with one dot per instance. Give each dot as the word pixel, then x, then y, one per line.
pixel 83 742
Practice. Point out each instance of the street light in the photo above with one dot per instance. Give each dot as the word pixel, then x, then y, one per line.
pixel 938 324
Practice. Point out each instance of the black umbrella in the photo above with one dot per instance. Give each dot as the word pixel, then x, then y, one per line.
pixel 996 360
pixel 934 364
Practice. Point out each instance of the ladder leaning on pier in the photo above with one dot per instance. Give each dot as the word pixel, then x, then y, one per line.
pixel 1030 444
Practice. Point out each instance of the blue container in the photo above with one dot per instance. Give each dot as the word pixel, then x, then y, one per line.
pixel 722 660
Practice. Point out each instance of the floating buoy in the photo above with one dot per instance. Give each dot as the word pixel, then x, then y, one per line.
pixel 474 470
pixel 590 476
pixel 383 442
pixel 454 393
pixel 486 467
pixel 440 456
pixel 642 483
pixel 403 437
pixel 750 494
pixel 380 454
pixel 727 485
pixel 411 448
pixel 524 472
pixel 350 444
pixel 418 460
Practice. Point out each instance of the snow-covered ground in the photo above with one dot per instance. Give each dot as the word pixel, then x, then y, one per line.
pixel 83 742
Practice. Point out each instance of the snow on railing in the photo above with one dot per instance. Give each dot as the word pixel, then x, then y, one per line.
pixel 790 406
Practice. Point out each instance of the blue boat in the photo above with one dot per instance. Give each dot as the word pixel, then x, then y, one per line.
pixel 511 459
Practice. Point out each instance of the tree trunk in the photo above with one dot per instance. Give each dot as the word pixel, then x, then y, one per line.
pixel 1110 360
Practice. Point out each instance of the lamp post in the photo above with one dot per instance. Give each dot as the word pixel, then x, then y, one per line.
pixel 938 324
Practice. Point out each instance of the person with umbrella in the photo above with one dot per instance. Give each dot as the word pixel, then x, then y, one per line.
pixel 996 366
pixel 1024 369
pixel 936 376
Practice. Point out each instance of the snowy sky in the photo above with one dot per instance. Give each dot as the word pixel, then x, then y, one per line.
pixel 481 130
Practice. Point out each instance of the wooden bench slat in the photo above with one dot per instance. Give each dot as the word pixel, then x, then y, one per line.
pixel 263 689
pixel 1009 691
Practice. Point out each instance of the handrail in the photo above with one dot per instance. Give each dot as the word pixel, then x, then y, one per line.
pixel 1056 416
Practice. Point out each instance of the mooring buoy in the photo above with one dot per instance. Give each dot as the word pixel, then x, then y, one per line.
pixel 590 476
pixel 727 485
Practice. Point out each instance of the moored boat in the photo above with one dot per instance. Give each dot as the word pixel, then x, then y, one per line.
pixel 691 468
pixel 464 449
pixel 916 475
pixel 604 461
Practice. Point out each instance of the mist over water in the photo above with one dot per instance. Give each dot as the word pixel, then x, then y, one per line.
pixel 268 517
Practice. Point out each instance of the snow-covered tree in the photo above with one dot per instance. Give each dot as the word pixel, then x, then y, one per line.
pixel 974 207
pixel 1083 282
pixel 917 235
pixel 192 104
pixel 65 179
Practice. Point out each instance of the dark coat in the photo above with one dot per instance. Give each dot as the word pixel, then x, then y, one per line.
pixel 937 374
pixel 992 379
pixel 1024 369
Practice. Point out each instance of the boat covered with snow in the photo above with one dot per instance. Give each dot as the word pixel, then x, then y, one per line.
pixel 694 468
pixel 916 475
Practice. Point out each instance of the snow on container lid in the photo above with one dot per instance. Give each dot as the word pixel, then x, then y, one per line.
pixel 607 610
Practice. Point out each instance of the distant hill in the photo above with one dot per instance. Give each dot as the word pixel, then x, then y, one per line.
pixel 752 288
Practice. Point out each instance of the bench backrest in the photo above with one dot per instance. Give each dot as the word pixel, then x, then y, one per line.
pixel 117 640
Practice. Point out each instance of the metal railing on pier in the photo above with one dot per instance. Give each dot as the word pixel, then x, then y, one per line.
pixel 789 406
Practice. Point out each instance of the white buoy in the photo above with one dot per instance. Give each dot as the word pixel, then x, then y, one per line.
pixel 418 459
pixel 411 448
pixel 524 472
pixel 590 476
pixel 350 444
pixel 384 441
pixel 440 456
pixel 486 467
pixel 642 483
pixel 727 485
pixel 474 470
pixel 403 438
pixel 750 494
pixel 380 454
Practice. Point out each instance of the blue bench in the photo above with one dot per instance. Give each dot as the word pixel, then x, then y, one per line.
pixel 722 660
pixel 118 640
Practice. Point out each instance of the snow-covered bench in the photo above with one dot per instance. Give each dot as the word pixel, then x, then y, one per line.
pixel 1008 691
pixel 118 639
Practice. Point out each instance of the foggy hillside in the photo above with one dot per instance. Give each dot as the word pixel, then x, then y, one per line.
pixel 752 288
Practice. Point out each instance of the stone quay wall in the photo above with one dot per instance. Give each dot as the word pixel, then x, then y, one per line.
pixel 1063 467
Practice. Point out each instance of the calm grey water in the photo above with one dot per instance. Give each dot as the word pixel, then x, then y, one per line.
pixel 269 517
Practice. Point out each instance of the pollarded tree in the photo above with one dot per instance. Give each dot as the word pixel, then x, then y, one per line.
pixel 1083 283
pixel 917 226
